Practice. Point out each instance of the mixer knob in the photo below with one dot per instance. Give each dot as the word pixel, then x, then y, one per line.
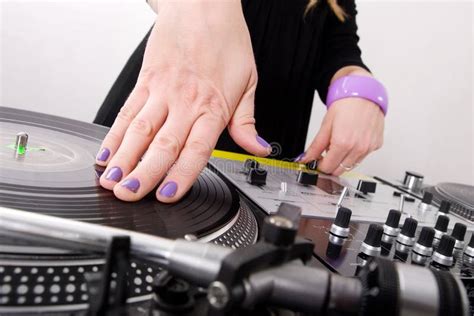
pixel 443 256
pixel 425 204
pixel 250 164
pixel 307 178
pixel 458 233
pixel 406 238
pixel 257 176
pixel 312 165
pixel 338 232
pixel 366 186
pixel 413 181
pixel 423 249
pixel 441 227
pixel 469 252
pixel 372 242
pixel 390 230
pixel 444 207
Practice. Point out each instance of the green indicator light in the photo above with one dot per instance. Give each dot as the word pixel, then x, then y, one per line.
pixel 20 150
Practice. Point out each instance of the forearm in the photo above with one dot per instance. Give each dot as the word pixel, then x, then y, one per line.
pixel 350 70
pixel 157 5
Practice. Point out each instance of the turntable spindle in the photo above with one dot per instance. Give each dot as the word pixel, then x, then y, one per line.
pixel 21 143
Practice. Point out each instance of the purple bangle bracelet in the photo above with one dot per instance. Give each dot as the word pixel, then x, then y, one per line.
pixel 358 87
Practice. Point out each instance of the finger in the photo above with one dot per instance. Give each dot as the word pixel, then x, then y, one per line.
pixel 160 156
pixel 192 159
pixel 136 140
pixel 319 144
pixel 334 156
pixel 355 156
pixel 242 128
pixel 130 109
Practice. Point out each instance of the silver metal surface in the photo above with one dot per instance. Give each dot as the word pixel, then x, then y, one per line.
pixel 391 231
pixel 339 231
pixel 438 234
pixel 422 250
pixel 442 259
pixel 469 260
pixel 419 294
pixel 217 295
pixel 319 201
pixel 370 250
pixel 21 140
pixel 336 240
pixel 408 241
pixel 469 251
pixel 243 232
pixel 402 247
pixel 198 262
pixel 401 203
pixel 459 244
pixel 388 239
pixel 413 183
pixel 344 193
pixel 419 259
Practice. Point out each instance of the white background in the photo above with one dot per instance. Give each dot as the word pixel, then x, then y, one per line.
pixel 61 57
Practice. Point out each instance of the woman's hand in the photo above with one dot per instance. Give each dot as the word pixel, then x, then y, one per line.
pixel 198 76
pixel 351 129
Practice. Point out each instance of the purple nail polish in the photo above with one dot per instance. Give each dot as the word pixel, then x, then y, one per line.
pixel 300 157
pixel 131 184
pixel 114 174
pixel 263 142
pixel 103 155
pixel 169 189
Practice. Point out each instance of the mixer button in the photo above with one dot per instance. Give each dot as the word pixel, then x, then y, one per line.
pixel 425 204
pixel 338 232
pixel 307 178
pixel 312 165
pixel 250 164
pixel 441 227
pixel 423 248
pixel 366 186
pixel 443 256
pixel 445 207
pixel 390 230
pixel 469 252
pixel 373 240
pixel 257 176
pixel 458 233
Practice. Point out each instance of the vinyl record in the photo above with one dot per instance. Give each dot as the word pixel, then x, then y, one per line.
pixel 57 176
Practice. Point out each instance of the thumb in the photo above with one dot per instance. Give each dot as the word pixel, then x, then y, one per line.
pixel 319 144
pixel 242 129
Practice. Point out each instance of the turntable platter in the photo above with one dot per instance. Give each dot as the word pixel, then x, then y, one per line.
pixel 57 176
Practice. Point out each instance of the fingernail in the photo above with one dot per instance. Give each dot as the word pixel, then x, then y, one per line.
pixel 131 184
pixel 300 156
pixel 114 174
pixel 103 155
pixel 169 189
pixel 263 142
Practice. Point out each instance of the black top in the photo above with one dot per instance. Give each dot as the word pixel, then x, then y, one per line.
pixel 294 55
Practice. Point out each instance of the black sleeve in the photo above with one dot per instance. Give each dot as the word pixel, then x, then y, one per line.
pixel 339 45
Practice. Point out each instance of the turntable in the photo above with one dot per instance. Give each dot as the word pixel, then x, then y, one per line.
pixel 56 175
pixel 47 168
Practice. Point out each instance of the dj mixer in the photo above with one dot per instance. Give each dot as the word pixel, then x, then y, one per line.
pixel 59 253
